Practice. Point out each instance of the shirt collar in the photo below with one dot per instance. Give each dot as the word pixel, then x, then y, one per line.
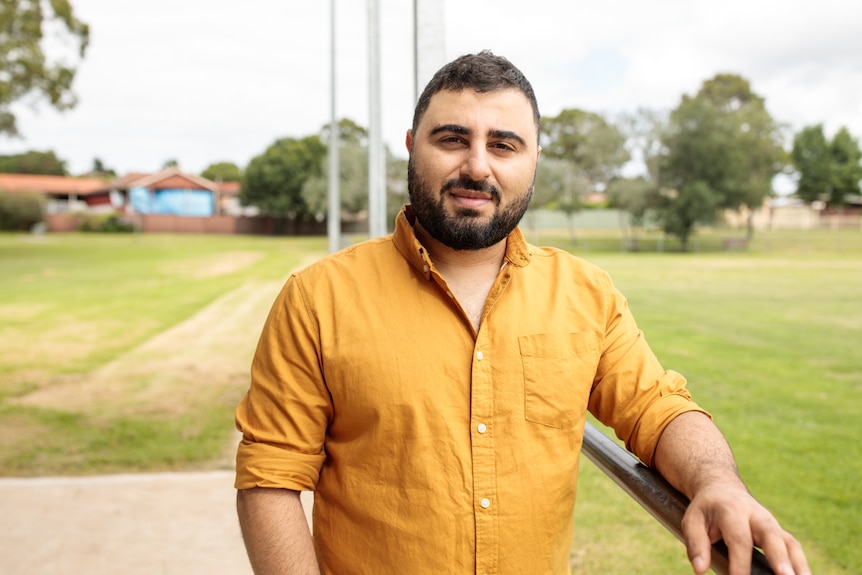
pixel 404 237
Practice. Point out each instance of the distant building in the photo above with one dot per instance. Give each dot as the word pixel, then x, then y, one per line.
pixel 63 194
pixel 168 192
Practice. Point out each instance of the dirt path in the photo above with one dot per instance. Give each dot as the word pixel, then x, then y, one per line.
pixel 167 523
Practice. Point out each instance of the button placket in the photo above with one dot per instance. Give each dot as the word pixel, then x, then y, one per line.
pixel 483 458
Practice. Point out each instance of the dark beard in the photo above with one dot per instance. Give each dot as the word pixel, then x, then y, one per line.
pixel 463 230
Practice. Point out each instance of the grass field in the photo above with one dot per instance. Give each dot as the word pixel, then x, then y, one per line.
pixel 128 353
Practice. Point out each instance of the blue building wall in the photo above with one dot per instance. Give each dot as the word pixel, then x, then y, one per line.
pixel 176 202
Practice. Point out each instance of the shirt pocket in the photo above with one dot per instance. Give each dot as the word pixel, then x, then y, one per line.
pixel 559 369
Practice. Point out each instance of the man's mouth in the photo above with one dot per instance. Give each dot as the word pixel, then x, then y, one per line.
pixel 467 193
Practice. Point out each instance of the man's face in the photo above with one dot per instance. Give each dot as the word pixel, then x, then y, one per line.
pixel 472 166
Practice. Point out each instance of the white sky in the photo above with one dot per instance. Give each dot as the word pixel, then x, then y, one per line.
pixel 202 81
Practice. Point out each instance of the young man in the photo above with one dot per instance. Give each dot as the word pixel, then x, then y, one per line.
pixel 431 386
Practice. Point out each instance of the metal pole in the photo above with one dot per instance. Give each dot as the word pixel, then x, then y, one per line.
pixel 333 218
pixel 429 45
pixel 376 155
pixel 654 494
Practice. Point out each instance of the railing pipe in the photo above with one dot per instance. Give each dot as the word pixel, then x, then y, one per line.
pixel 654 494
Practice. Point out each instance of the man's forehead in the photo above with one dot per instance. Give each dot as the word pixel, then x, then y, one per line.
pixel 507 105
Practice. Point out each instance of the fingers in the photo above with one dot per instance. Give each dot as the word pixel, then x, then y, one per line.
pixel 698 545
pixel 741 528
pixel 784 553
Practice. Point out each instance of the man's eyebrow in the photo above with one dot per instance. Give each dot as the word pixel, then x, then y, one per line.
pixel 456 128
pixel 507 135
pixel 459 129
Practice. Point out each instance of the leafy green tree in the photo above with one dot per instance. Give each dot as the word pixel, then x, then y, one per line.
pixel 100 170
pixel 632 196
pixel 352 182
pixel 679 210
pixel 812 157
pixel 645 131
pixel 274 180
pixel 396 186
pixel 353 172
pixel 595 146
pixel 828 171
pixel 349 132
pixel 721 150
pixel 223 172
pixel 25 71
pixel 559 186
pixel 33 162
pixel 848 170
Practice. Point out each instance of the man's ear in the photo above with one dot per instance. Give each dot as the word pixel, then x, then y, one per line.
pixel 408 141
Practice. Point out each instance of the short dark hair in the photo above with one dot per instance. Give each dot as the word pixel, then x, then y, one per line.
pixel 482 72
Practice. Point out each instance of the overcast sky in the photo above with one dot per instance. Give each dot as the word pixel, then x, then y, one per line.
pixel 202 81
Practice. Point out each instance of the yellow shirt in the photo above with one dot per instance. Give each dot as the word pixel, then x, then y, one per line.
pixel 431 448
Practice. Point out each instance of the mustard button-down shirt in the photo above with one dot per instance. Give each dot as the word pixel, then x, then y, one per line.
pixel 433 448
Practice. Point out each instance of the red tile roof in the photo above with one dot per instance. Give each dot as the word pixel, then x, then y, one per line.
pixel 51 184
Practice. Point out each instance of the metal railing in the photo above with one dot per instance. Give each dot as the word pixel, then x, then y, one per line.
pixel 654 494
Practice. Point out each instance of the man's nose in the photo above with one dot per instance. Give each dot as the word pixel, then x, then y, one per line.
pixel 476 164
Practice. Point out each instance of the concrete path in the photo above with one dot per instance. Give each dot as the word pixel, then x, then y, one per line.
pixel 165 524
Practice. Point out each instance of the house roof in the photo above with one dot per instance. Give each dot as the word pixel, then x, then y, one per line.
pixel 167 178
pixel 63 185
pixel 51 184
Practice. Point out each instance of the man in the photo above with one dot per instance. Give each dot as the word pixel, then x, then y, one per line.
pixel 431 386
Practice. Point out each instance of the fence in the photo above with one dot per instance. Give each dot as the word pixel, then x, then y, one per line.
pixel 255 225
pixel 654 494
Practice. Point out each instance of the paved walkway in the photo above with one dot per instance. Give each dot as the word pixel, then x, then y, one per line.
pixel 164 523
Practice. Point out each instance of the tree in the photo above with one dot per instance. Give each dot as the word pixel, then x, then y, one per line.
pixel 632 196
pixel 560 187
pixel 24 69
pixel 848 170
pixel 100 170
pixel 645 131
pixel 352 182
pixel 828 171
pixel 722 149
pixel 33 162
pixel 223 172
pixel 812 157
pixel 274 180
pixel 595 146
pixel 353 172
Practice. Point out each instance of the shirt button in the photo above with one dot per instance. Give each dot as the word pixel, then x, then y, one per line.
pixel 482 428
pixel 480 356
pixel 485 503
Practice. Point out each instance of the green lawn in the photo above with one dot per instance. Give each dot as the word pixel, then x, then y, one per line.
pixel 769 339
pixel 770 342
pixel 71 304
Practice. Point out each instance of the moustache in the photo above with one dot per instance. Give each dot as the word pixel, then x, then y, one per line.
pixel 466 183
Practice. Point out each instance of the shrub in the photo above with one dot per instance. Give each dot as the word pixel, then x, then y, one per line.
pixel 19 211
pixel 106 223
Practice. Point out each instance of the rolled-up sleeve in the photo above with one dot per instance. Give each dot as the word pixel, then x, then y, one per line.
pixel 632 392
pixel 285 413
